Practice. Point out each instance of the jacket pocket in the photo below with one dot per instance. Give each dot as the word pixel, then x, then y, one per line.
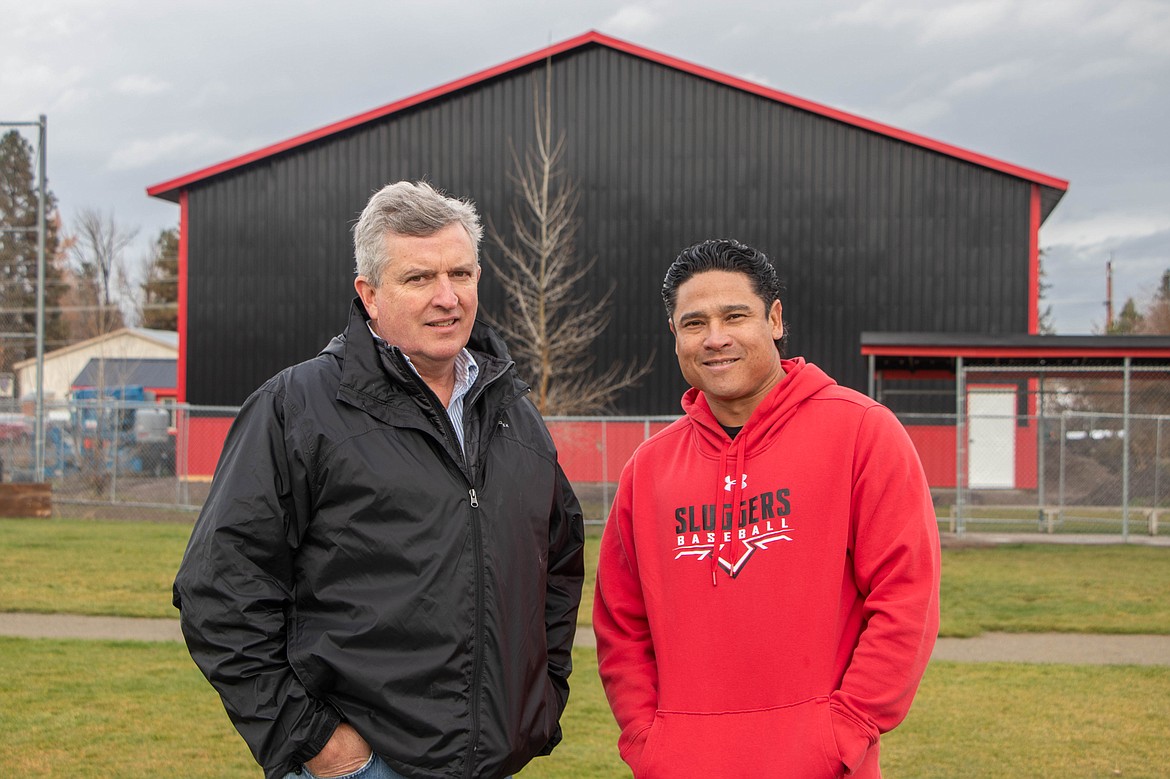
pixel 783 741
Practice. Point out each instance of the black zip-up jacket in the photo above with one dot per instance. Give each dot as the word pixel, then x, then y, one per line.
pixel 351 563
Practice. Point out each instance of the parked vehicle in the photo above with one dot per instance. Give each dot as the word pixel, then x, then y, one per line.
pixel 123 428
pixel 15 427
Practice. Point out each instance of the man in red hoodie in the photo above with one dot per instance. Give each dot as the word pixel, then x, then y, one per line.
pixel 767 593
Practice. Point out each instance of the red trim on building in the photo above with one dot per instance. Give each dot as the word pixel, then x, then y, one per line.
pixel 181 324
pixel 910 350
pixel 1034 261
pixel 903 374
pixel 168 189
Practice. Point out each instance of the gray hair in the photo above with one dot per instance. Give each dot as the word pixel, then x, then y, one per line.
pixel 412 208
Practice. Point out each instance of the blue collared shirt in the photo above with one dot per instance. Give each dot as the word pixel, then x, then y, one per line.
pixel 466 372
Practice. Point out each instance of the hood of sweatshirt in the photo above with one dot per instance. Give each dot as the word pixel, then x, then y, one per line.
pixel 801 381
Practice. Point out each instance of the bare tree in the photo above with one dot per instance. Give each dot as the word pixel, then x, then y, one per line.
pixel 100 244
pixel 1156 320
pixel 549 329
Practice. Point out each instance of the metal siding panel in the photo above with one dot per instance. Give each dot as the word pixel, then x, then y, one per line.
pixel 869 232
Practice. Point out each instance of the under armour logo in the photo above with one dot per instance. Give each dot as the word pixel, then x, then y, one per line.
pixel 729 482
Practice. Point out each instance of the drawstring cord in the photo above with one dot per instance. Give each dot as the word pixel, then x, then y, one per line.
pixel 737 485
pixel 717 518
pixel 732 482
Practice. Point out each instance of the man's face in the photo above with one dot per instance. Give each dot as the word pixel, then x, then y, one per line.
pixel 725 342
pixel 427 299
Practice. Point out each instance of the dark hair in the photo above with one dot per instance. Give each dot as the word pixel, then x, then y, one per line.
pixel 724 254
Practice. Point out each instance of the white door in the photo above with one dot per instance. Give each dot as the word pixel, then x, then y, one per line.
pixel 991 438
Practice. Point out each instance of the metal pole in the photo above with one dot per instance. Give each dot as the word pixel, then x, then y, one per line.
pixel 1125 454
pixel 604 472
pixel 1157 463
pixel 1063 443
pixel 39 426
pixel 1042 439
pixel 960 444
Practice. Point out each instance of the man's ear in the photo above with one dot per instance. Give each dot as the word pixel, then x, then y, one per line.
pixel 776 318
pixel 368 295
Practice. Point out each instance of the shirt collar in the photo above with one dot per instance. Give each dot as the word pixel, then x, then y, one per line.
pixel 466 368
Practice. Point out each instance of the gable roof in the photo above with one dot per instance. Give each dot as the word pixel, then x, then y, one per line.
pixel 152 372
pixel 165 338
pixel 925 354
pixel 1054 187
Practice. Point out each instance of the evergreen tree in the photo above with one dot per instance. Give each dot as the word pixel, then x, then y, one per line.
pixel 1046 327
pixel 18 256
pixel 1156 319
pixel 1128 322
pixel 160 288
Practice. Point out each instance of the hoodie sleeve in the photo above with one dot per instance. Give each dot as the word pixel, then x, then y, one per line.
pixel 896 558
pixel 235 584
pixel 625 651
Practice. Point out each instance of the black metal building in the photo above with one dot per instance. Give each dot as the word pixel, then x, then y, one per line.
pixel 873 228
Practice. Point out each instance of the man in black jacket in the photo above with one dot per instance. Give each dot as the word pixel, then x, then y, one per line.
pixel 385 577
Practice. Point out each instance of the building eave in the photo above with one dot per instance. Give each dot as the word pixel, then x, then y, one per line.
pixel 170 189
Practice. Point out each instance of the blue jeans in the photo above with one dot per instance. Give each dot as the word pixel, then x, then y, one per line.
pixel 375 768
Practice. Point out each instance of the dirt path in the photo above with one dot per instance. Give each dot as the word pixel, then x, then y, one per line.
pixel 1072 648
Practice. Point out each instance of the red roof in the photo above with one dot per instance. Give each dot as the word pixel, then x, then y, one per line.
pixel 1015 345
pixel 169 190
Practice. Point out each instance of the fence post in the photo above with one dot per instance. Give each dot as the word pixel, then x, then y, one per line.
pixel 1125 452
pixel 1041 440
pixel 1157 465
pixel 960 443
pixel 604 472
pixel 1063 444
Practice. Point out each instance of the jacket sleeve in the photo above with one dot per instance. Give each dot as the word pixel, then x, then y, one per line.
pixel 234 587
pixel 625 650
pixel 566 572
pixel 896 560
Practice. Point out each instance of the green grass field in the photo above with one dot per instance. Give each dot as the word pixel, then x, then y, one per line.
pixel 126 709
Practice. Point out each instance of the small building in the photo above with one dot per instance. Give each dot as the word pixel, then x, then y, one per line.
pixel 156 375
pixel 120 352
pixel 974 404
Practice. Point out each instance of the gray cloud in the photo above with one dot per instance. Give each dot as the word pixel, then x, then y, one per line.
pixel 139 93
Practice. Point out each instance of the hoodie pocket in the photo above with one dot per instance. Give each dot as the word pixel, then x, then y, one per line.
pixel 783 741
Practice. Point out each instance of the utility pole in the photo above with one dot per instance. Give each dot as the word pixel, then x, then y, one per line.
pixel 1109 293
pixel 39 428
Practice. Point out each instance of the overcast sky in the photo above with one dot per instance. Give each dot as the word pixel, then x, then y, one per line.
pixel 137 93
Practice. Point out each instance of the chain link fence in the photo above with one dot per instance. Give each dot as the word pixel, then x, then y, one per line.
pixel 1046 449
pixel 108 458
pixel 1032 449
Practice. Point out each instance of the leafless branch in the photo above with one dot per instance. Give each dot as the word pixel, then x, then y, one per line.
pixel 549 329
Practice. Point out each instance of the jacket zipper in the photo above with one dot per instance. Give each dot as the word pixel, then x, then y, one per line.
pixel 476 534
pixel 477 649
pixel 477 652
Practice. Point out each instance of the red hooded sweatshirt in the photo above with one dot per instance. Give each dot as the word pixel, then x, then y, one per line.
pixel 805 637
